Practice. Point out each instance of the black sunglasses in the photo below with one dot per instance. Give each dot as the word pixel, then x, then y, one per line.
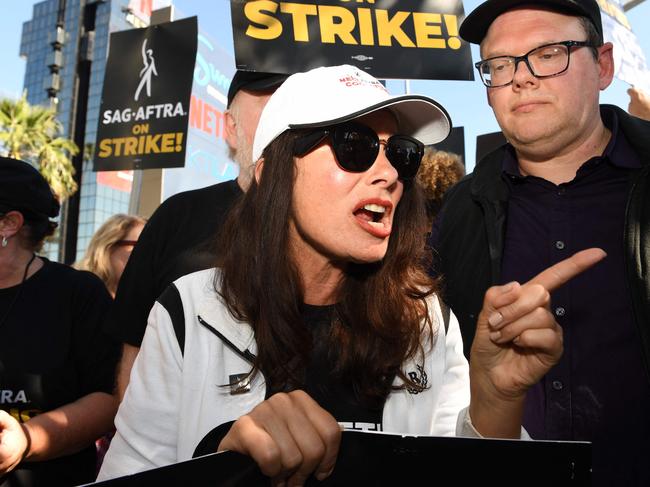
pixel 356 147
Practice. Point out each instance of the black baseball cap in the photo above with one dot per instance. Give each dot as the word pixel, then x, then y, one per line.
pixel 476 24
pixel 22 188
pixel 254 81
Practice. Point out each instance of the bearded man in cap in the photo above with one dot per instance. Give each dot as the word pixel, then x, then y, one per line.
pixel 178 238
pixel 574 174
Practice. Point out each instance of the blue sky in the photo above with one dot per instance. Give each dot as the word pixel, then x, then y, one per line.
pixel 464 100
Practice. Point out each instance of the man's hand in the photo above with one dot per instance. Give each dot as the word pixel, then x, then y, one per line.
pixel 517 341
pixel 639 103
pixel 289 436
pixel 13 443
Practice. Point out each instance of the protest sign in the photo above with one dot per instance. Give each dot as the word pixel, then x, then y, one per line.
pixel 409 39
pixel 629 60
pixel 146 97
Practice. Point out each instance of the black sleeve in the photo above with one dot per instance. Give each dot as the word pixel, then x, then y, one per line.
pixel 95 354
pixel 139 287
pixel 210 442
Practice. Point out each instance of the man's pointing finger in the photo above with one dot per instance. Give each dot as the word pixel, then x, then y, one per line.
pixel 558 274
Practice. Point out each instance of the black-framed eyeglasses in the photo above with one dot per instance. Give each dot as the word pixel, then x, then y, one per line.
pixel 543 62
pixel 356 148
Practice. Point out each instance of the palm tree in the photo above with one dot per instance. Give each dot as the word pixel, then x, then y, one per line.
pixel 32 133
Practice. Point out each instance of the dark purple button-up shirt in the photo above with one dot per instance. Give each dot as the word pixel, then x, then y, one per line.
pixel 598 391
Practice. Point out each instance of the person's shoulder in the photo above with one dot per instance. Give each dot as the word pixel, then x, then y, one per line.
pixel 189 294
pixel 461 189
pixel 199 282
pixel 202 196
pixel 69 276
pixel 65 271
pixel 636 131
pixel 486 172
pixel 628 122
pixel 191 206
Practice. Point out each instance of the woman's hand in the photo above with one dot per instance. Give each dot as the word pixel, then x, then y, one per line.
pixel 289 436
pixel 517 342
pixel 13 442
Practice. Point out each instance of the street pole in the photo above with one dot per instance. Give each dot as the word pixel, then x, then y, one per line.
pixel 85 48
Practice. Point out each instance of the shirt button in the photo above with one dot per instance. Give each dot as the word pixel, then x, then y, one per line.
pixel 559 311
pixel 557 385
pixel 559 245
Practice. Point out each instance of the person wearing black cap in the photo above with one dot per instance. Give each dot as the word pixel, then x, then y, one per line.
pixel 56 365
pixel 573 174
pixel 178 238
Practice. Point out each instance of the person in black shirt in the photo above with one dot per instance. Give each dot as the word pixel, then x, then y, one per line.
pixel 56 365
pixel 178 239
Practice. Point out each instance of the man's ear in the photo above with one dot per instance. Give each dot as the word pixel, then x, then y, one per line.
pixel 230 129
pixel 606 64
pixel 259 166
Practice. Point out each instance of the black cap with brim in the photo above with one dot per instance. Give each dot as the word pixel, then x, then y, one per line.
pixel 475 26
pixel 254 81
pixel 22 188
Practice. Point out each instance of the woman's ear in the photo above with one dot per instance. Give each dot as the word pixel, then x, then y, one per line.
pixel 11 223
pixel 259 166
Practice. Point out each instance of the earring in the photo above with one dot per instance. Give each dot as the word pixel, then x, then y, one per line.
pixel 5 241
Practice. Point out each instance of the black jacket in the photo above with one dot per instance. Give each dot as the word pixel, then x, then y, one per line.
pixel 468 237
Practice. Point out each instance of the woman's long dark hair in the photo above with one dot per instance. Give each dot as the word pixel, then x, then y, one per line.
pixel 381 311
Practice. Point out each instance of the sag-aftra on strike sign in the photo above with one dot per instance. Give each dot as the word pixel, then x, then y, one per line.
pixel 146 97
pixel 410 39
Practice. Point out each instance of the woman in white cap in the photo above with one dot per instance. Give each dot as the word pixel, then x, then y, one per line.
pixel 321 313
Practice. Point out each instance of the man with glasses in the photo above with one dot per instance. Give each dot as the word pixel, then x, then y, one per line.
pixel 572 175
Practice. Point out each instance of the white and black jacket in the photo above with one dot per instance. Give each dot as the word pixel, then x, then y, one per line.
pixel 193 345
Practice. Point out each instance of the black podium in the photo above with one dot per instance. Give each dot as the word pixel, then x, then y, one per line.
pixel 392 460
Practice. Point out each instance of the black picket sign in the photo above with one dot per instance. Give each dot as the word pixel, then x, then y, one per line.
pixel 146 97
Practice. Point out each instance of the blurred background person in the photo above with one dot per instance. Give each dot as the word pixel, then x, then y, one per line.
pixel 639 103
pixel 106 256
pixel 110 248
pixel 439 171
pixel 56 365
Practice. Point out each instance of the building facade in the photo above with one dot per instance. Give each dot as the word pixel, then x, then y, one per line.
pixel 63 38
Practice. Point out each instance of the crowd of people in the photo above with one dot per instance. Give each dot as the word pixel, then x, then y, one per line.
pixel 351 278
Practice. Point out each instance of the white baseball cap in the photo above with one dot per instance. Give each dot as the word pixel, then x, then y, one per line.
pixel 334 94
